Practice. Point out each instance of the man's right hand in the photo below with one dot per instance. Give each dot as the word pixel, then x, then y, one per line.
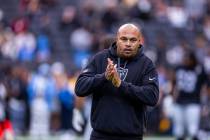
pixel 109 69
pixel 116 81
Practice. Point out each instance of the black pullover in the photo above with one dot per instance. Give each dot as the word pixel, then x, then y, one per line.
pixel 119 111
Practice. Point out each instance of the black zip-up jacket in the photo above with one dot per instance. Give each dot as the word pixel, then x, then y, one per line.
pixel 119 111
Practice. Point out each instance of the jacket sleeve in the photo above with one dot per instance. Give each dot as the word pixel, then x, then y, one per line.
pixel 89 81
pixel 148 92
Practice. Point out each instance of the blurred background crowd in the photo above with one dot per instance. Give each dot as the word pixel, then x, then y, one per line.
pixel 45 43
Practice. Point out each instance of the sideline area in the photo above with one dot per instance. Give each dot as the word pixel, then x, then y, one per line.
pixel 67 138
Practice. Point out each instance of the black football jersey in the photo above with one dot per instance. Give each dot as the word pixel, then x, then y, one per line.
pixel 189 82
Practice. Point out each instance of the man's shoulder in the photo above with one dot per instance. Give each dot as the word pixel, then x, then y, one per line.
pixel 146 60
pixel 101 54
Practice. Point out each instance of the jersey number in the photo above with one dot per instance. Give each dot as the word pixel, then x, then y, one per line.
pixel 186 81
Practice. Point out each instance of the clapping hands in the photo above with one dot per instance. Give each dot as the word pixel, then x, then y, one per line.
pixel 111 73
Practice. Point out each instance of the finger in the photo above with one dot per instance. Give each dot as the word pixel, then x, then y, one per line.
pixel 112 72
pixel 109 61
pixel 115 66
pixel 115 72
pixel 109 68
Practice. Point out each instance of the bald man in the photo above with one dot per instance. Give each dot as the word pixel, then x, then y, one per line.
pixel 122 82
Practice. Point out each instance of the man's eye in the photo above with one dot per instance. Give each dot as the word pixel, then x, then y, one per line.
pixel 133 40
pixel 124 39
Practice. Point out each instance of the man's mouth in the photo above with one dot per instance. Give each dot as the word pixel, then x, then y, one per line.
pixel 127 50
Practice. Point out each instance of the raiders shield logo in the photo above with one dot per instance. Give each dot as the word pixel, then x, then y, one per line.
pixel 122 73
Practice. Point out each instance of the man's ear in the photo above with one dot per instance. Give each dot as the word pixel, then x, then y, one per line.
pixel 140 45
pixel 141 41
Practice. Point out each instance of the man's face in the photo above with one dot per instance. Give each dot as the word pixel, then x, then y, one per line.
pixel 128 41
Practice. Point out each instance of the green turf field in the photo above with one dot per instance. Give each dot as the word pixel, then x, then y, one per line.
pixel 57 138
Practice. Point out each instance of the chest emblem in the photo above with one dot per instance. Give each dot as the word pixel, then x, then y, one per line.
pixel 122 73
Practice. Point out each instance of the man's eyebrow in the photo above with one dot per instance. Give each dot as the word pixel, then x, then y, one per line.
pixel 128 37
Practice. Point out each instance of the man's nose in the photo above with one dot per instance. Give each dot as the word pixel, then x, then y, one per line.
pixel 128 43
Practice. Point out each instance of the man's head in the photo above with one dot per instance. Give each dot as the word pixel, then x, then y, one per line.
pixel 128 40
pixel 190 59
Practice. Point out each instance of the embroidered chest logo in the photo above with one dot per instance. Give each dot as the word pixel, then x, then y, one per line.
pixel 122 73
